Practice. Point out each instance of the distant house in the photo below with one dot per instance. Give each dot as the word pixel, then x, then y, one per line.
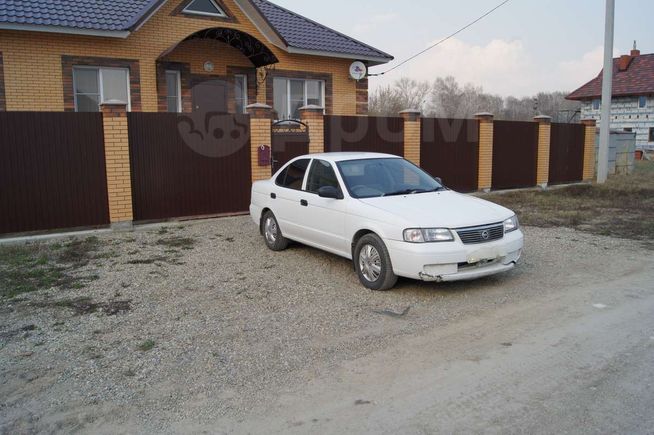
pixel 632 103
pixel 176 56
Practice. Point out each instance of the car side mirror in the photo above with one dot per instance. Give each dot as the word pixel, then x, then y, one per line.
pixel 438 180
pixel 329 192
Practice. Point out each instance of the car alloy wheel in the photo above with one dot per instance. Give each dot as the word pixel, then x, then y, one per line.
pixel 270 230
pixel 370 263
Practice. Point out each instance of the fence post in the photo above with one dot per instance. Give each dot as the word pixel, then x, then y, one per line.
pixel 543 154
pixel 411 135
pixel 313 116
pixel 485 174
pixel 260 136
pixel 116 149
pixel 589 149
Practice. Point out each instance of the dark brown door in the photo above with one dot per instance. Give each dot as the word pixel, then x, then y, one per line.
pixel 210 96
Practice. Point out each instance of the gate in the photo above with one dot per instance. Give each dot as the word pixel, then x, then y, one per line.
pixel 364 133
pixel 515 145
pixel 52 171
pixel 566 153
pixel 449 149
pixel 189 165
pixel 290 139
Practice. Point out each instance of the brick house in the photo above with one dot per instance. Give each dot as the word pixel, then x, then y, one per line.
pixel 632 102
pixel 176 56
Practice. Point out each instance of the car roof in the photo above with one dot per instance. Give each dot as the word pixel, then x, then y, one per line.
pixel 353 155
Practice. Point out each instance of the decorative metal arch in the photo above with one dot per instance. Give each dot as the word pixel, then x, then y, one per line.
pixel 251 47
pixel 286 126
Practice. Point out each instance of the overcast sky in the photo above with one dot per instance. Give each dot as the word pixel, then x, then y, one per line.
pixel 524 47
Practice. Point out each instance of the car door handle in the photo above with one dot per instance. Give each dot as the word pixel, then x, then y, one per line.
pixel 273 195
pixel 304 203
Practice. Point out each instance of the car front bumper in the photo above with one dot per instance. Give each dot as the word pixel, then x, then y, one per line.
pixel 454 261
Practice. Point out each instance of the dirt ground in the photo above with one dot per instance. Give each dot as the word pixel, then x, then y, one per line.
pixel 198 328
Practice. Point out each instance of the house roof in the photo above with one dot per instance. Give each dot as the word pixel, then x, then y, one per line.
pixel 638 79
pixel 121 17
pixel 304 34
pixel 115 15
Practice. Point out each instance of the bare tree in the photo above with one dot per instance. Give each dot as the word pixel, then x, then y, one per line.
pixel 404 94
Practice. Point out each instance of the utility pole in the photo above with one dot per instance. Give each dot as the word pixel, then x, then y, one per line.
pixel 607 81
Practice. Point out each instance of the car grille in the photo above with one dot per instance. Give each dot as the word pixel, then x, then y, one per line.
pixel 481 234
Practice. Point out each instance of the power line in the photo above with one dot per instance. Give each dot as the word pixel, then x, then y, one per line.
pixel 442 40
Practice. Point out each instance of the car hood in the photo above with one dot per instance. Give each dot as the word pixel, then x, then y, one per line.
pixel 446 209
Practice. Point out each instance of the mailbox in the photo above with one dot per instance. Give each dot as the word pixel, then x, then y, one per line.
pixel 264 155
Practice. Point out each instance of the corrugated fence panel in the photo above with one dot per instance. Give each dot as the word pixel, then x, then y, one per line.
pixel 566 153
pixel 189 165
pixel 364 133
pixel 515 148
pixel 449 149
pixel 52 171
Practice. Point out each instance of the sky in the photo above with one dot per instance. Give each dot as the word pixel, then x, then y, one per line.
pixel 522 48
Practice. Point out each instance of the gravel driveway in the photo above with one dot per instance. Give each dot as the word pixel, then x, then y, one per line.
pixel 185 325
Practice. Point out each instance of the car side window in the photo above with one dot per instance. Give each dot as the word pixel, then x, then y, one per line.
pixel 293 175
pixel 321 174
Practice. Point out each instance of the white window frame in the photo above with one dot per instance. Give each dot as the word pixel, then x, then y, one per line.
pixel 599 104
pixel 178 78
pixel 245 90
pixel 304 81
pixel 98 70
pixel 220 12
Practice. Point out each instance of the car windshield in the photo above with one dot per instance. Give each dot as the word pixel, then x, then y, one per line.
pixel 370 178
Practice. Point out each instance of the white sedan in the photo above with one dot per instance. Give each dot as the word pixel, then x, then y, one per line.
pixel 387 215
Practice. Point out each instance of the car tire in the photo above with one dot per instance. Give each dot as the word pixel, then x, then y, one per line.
pixel 271 232
pixel 373 263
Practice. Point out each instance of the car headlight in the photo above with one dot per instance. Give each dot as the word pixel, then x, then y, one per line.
pixel 511 224
pixel 422 235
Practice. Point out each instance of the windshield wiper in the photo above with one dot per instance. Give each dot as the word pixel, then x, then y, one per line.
pixel 412 191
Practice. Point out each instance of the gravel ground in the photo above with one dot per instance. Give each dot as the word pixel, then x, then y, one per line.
pixel 199 321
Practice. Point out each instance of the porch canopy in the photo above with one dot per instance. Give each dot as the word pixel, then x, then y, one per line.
pixel 251 47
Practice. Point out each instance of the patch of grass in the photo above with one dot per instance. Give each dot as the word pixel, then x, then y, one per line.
pixel 32 267
pixel 177 242
pixel 146 345
pixel 622 207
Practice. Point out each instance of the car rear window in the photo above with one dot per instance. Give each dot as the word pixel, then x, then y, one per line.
pixel 293 175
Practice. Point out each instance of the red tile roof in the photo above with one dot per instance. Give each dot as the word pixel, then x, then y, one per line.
pixel 638 79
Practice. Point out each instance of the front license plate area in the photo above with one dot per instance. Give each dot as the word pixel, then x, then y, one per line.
pixel 485 255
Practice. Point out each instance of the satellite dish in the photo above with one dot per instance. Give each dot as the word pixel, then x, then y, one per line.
pixel 358 70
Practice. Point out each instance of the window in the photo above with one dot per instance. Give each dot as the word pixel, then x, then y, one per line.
pixel 173 92
pixel 93 86
pixel 291 94
pixel 293 175
pixel 596 104
pixel 642 102
pixel 321 174
pixel 241 92
pixel 651 135
pixel 204 7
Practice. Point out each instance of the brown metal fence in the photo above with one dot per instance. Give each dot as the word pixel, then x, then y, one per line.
pixel 515 145
pixel 189 165
pixel 52 171
pixel 290 139
pixel 566 153
pixel 449 149
pixel 364 133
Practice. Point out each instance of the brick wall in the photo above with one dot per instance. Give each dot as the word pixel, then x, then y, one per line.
pixel 543 153
pixel 589 150
pixel 33 67
pixel 116 146
pixel 412 136
pixel 625 113
pixel 485 151
pixel 2 86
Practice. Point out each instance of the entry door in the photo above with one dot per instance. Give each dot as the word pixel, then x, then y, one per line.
pixel 210 96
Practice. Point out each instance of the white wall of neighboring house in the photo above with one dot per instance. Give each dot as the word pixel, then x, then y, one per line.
pixel 625 113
